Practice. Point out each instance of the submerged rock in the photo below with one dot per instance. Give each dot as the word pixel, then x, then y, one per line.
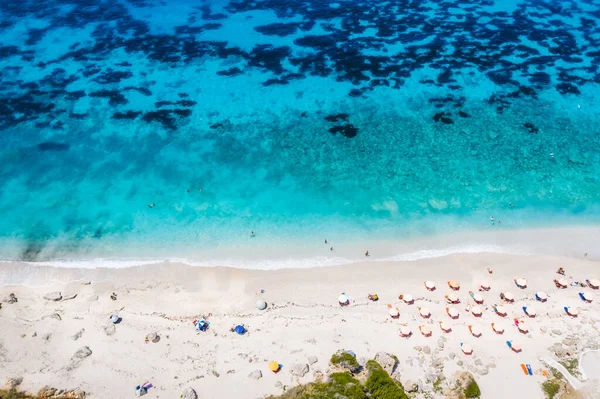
pixel 312 359
pixel 255 375
pixel 299 370
pixel 189 393
pixel 387 361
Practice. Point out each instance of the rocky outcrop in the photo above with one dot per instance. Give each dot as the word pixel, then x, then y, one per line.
pixel 255 375
pixel 109 329
pixel 312 360
pixel 387 361
pixel 83 352
pixel 189 393
pixel 50 393
pixel 299 370
pixel 53 296
pixel 14 382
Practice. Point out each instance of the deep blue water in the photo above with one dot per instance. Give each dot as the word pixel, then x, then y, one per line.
pixel 298 119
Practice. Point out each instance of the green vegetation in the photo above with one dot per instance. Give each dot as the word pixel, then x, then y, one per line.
pixel 344 359
pixel 437 385
pixel 14 394
pixel 572 366
pixel 381 385
pixel 472 390
pixel 551 388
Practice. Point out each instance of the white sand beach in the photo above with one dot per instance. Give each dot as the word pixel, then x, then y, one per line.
pixel 303 320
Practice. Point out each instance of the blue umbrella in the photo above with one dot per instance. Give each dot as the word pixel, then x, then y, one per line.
pixel 240 329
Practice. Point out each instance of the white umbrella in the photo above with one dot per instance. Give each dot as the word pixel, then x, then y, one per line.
pixel 572 311
pixel 521 282
pixel 453 284
pixel 342 299
pixel 500 310
pixel 516 347
pixel 542 296
pixel 594 283
pixel 426 331
pixel 475 331
pixel 405 331
pixel 562 282
pixel 523 328
pixel 476 311
pixel 407 298
pixel 478 298
pixel 452 298
pixel 497 328
pixel 261 305
pixel 588 296
pixel 508 296
pixel 466 348
pixel 530 311
pixel 424 312
pixel 484 285
pixel 445 326
pixel 430 285
pixel 394 312
pixel 452 312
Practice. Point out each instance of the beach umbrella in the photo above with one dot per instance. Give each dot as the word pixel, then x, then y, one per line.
pixel 452 298
pixel 405 331
pixel 466 348
pixel 261 305
pixel 571 311
pixel 500 310
pixel 475 331
pixel 509 297
pixel 454 285
pixel 445 326
pixel 485 285
pixel 239 329
pixel 587 296
pixel 426 331
pixel 522 327
pixel 541 296
pixel 452 312
pixel 521 282
pixel 274 366
pixel 476 311
pixel 477 298
pixel 394 312
pixel 343 299
pixel 407 298
pixel 595 284
pixel 516 347
pixel 562 283
pixel 424 312
pixel 529 311
pixel 497 329
pixel 430 285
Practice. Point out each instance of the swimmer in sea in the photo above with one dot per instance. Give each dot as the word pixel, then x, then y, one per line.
pixel 252 234
pixel 151 205
pixel 326 241
pixel 331 249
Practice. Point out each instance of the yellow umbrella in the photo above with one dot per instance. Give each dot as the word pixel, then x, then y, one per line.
pixel 274 366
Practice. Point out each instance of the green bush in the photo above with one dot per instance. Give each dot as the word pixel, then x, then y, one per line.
pixel 339 384
pixel 381 385
pixel 472 390
pixel 344 359
pixel 551 388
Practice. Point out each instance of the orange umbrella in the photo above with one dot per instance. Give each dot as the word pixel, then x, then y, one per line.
pixel 426 331
pixel 497 329
pixel 476 311
pixel 452 312
pixel 454 285
pixel 424 312
pixel 475 331
pixel 430 285
pixel 445 327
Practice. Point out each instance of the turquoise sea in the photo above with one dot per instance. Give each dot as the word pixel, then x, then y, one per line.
pixel 172 129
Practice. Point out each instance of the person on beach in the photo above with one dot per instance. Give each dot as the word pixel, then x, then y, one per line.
pixel 367 253
pixel 326 241
pixel 331 249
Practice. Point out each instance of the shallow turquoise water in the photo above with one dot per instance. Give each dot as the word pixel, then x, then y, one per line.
pixel 461 110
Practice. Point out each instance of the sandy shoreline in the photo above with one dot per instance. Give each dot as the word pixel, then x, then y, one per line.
pixel 303 319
